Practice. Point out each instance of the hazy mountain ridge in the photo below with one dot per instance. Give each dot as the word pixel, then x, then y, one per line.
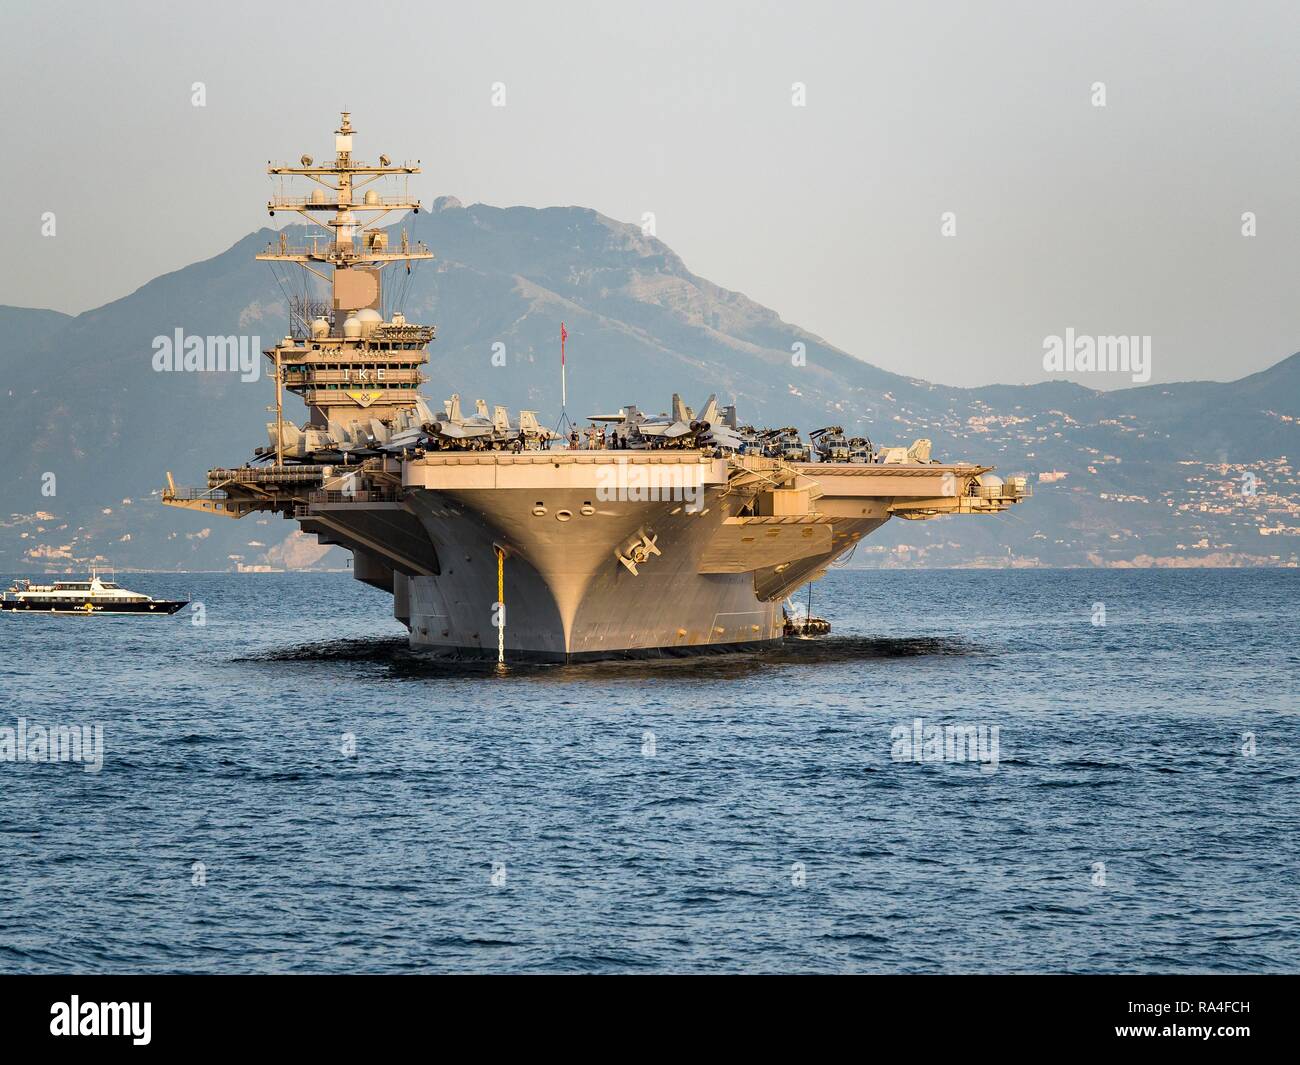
pixel 1154 471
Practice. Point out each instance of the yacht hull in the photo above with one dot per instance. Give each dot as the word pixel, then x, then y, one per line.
pixel 156 608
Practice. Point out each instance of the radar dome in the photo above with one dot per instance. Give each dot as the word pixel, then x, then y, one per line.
pixel 369 318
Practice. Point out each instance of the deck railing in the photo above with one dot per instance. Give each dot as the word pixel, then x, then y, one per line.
pixel 393 495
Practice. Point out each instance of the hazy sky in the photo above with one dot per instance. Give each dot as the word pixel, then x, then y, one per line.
pixel 1123 219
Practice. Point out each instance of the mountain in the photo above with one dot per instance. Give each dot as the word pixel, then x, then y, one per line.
pixel 1154 475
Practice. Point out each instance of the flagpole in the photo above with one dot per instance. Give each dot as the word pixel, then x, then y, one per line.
pixel 564 392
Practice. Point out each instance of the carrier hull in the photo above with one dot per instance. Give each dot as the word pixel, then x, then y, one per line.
pixel 558 529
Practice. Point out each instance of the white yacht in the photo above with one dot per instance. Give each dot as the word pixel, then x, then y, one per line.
pixel 89 596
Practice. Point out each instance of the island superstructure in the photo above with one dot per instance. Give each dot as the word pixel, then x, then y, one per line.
pixel 498 537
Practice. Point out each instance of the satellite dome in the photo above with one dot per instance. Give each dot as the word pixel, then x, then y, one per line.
pixel 368 318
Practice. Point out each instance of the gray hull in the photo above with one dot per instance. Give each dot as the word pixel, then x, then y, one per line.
pixel 566 595
pixel 727 549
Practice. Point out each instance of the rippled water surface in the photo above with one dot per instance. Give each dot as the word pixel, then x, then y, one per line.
pixel 738 814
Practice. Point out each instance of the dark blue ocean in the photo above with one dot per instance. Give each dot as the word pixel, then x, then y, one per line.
pixel 744 814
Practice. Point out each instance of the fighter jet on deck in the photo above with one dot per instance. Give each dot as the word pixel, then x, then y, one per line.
pixel 481 431
pixel 633 428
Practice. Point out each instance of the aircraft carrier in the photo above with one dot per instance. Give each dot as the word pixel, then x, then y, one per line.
pixel 499 538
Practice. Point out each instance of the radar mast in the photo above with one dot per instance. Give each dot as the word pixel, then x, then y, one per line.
pixel 348 363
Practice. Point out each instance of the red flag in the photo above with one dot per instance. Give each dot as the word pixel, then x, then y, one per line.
pixel 564 335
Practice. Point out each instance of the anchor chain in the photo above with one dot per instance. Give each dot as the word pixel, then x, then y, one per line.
pixel 501 608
